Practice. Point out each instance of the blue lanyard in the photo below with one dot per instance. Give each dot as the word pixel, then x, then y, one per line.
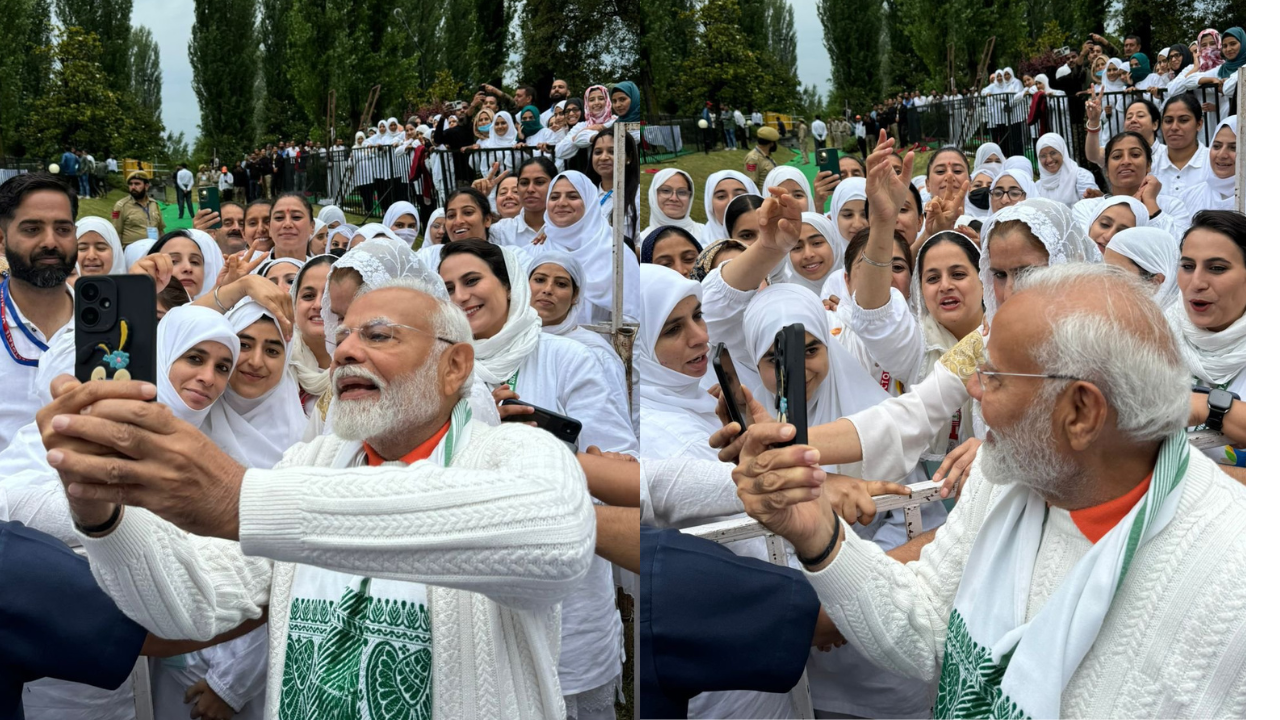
pixel 6 308
pixel 605 198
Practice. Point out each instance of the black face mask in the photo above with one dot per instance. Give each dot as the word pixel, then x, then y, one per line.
pixel 338 252
pixel 980 198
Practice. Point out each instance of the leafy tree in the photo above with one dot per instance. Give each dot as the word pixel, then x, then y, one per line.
pixel 144 71
pixel 80 107
pixel 932 25
pixel 583 42
pixel 851 32
pixel 25 31
pixel 722 67
pixel 176 149
pixel 664 38
pixel 489 46
pixel 457 29
pixel 280 116
pixel 224 57
pixel 109 20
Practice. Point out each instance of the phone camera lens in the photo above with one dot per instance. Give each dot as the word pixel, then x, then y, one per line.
pixel 90 292
pixel 89 316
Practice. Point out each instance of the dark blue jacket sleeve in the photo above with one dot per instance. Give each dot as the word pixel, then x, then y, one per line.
pixel 54 619
pixel 711 620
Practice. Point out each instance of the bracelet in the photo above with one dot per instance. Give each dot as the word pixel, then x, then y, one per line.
pixel 874 263
pixel 1093 130
pixel 830 546
pixel 217 300
pixel 106 527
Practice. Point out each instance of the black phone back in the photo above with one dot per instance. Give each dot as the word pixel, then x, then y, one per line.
pixel 730 387
pixel 563 427
pixel 789 350
pixel 115 328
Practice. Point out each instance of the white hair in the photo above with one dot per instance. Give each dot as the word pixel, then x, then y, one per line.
pixel 1141 374
pixel 449 320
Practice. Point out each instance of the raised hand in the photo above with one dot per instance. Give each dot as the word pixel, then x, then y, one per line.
pixel 779 220
pixel 491 179
pixel 1148 192
pixel 1093 107
pixel 887 191
pixel 943 212
pixel 270 296
pixel 159 266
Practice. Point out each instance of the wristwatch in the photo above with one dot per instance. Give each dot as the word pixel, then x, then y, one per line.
pixel 1220 402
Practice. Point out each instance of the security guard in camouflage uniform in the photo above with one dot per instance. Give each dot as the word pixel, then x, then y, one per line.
pixel 137 217
pixel 759 162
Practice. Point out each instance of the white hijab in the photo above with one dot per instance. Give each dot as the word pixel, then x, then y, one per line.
pixel 376 230
pixel 991 170
pixel 1086 214
pixel 571 266
pixel 399 209
pixel 1060 186
pixel 266 267
pixel 1117 85
pixel 1223 187
pixel 303 363
pixel 1216 358
pixel 498 357
pixel 658 219
pixel 854 188
pixel 181 329
pixel 257 432
pixel 507 139
pixel 208 248
pixel 347 230
pixel 986 150
pixel 331 213
pixel 786 172
pixel 1022 178
pixel 1155 251
pixel 436 214
pixel 1052 224
pixel 662 388
pixel 1017 162
pixel 589 241
pixel 847 388
pixel 714 228
pixel 837 242
pixel 108 232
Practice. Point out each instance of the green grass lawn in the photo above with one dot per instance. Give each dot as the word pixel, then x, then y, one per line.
pixel 700 166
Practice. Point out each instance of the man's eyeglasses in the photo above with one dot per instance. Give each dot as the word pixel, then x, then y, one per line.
pixel 666 192
pixel 1014 194
pixel 983 374
pixel 379 333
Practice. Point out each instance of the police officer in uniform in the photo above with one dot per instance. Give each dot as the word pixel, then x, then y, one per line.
pixel 137 217
pixel 759 162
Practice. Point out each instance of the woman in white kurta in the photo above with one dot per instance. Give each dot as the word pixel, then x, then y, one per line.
pixel 721 188
pixel 671 197
pixel 1061 178
pixel 1218 191
pixel 533 180
pixel 1127 162
pixel 514 359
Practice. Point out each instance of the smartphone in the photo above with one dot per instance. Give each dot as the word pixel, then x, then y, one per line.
pixel 829 160
pixel 564 428
pixel 730 387
pixel 115 328
pixel 788 366
pixel 209 200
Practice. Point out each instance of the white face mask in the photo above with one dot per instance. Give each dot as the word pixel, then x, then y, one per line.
pixel 408 235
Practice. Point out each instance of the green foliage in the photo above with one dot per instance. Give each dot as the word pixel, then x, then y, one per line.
pixel 932 25
pixel 224 57
pixel 177 150
pixel 722 66
pixel 279 115
pixel 109 20
pixel 664 38
pixel 851 32
pixel 583 42
pixel 25 31
pixel 144 71
pixel 80 108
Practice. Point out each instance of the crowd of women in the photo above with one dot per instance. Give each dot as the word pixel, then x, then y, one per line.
pixel 888 277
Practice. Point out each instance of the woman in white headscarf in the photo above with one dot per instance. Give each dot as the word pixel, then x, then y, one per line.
pixel 848 214
pixel 794 182
pixel 516 360
pixel 1218 191
pixel 434 233
pixel 1106 217
pixel 980 182
pixel 371 231
pixel 667 207
pixel 331 216
pixel 402 218
pixel 1061 178
pixel 555 285
pixel 574 227
pixel 818 255
pixel 721 188
pixel 309 355
pixel 340 239
pixel 197 259
pixel 496 148
pixel 988 152
pixel 1151 254
pixel 98 250
pixel 1011 186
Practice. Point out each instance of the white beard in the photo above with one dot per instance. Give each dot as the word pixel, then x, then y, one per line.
pixel 400 406
pixel 1025 454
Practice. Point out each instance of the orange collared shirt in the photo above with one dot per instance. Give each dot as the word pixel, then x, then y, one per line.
pixel 422 452
pixel 1096 521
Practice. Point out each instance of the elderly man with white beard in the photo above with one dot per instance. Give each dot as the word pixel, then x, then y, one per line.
pixel 1094 565
pixel 414 562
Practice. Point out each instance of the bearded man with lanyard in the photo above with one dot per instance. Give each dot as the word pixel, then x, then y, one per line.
pixel 1090 542
pixel 414 561
pixel 38 230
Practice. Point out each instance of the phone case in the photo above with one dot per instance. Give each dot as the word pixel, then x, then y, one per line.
pixel 789 368
pixel 210 200
pixel 115 321
pixel 566 429
pixel 730 388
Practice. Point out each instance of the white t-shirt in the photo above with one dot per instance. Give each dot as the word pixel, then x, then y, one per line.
pixel 1175 181
pixel 18 363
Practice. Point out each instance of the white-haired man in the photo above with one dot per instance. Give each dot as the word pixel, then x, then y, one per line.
pixel 426 590
pixel 1093 567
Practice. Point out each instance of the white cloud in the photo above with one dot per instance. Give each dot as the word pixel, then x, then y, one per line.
pixel 170 22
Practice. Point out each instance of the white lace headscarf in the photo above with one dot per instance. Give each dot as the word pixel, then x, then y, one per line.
pixel 1052 225
pixel 378 261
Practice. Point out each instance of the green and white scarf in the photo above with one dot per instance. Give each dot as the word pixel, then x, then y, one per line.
pixel 358 647
pixel 998 665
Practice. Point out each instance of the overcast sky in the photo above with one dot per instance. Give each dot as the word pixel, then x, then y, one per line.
pixel 811 55
pixel 170 22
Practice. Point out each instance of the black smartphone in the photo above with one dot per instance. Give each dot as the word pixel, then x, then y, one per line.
pixel 210 200
pixel 829 160
pixel 564 428
pixel 788 366
pixel 115 328
pixel 730 387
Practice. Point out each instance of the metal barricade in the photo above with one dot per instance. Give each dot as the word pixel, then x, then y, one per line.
pixel 728 531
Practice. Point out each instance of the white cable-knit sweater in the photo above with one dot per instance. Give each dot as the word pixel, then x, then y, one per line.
pixel 497 539
pixel 1172 644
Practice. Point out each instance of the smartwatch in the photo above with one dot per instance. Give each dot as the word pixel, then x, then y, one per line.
pixel 1220 402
